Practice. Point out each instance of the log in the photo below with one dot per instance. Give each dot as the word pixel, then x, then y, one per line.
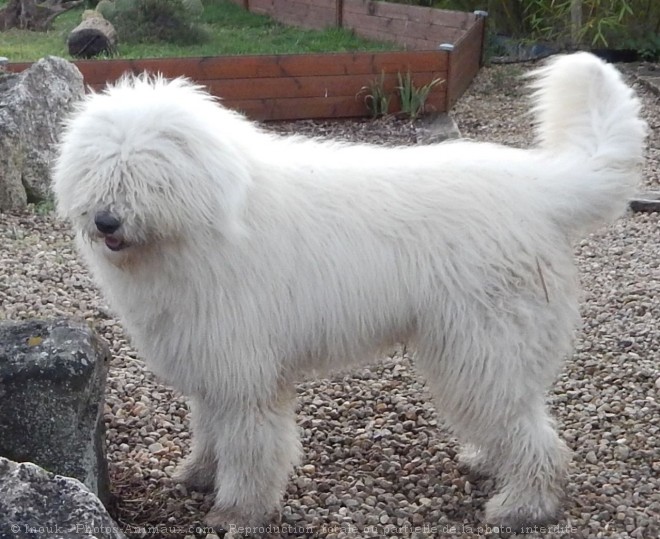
pixel 30 15
pixel 92 37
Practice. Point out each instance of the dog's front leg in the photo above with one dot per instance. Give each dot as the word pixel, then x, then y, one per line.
pixel 198 469
pixel 256 446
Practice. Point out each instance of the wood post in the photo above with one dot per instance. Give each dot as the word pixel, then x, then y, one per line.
pixel 483 16
pixel 339 13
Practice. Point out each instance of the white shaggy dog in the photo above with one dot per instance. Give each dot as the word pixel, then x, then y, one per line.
pixel 240 261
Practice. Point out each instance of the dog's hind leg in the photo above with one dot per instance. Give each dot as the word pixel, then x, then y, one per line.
pixel 532 470
pixel 492 398
pixel 198 469
pixel 257 446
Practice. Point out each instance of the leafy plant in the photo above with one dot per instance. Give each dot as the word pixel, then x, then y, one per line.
pixel 154 21
pixel 647 46
pixel 617 24
pixel 413 99
pixel 44 207
pixel 376 98
pixel 605 18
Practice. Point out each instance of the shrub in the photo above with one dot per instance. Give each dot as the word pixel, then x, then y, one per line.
pixel 616 24
pixel 106 8
pixel 150 21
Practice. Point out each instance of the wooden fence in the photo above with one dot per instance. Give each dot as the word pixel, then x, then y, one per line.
pixel 286 87
pixel 413 27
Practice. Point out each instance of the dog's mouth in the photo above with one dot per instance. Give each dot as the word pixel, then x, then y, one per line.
pixel 114 242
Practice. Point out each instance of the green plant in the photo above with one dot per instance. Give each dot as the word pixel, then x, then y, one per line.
pixel 376 98
pixel 647 46
pixel 106 8
pixel 413 99
pixel 605 18
pixel 153 21
pixel 44 207
pixel 604 23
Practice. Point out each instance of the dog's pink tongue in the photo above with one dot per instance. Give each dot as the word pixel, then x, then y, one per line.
pixel 112 243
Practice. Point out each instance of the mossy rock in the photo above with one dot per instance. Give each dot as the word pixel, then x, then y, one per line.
pixel 194 7
pixel 106 8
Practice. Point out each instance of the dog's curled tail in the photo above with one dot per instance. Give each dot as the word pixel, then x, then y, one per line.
pixel 589 118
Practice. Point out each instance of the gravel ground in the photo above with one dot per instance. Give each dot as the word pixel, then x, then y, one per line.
pixel 378 462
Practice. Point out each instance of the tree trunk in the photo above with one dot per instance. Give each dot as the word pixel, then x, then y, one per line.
pixel 93 36
pixel 30 15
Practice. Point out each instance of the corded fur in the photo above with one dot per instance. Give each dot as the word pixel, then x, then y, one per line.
pixel 254 260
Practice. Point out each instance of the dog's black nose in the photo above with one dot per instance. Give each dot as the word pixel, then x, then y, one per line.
pixel 106 223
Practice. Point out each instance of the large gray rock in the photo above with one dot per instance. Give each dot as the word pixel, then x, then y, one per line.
pixel 37 503
pixel 32 106
pixel 52 383
pixel 434 128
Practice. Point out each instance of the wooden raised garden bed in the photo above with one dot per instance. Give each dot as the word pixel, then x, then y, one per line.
pixel 329 85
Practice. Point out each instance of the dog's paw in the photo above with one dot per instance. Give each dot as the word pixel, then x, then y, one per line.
pixel 224 519
pixel 194 475
pixel 517 511
pixel 474 460
pixel 237 521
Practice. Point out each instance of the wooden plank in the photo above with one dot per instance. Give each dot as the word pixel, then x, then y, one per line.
pixel 292 4
pixel 352 105
pixel 400 31
pixel 304 108
pixel 17 67
pixel 319 87
pixel 315 86
pixel 303 14
pixel 311 107
pixel 400 21
pixel 262 7
pixel 232 67
pixel 409 43
pixel 453 19
pixel 299 108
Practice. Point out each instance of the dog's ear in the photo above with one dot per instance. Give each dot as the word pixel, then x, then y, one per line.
pixel 212 175
pixel 232 180
pixel 204 151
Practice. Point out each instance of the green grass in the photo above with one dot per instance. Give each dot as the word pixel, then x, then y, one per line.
pixel 232 30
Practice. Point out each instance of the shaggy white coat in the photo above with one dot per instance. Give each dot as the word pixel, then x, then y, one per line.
pixel 246 261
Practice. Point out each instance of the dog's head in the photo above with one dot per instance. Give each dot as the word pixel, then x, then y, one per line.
pixel 149 161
